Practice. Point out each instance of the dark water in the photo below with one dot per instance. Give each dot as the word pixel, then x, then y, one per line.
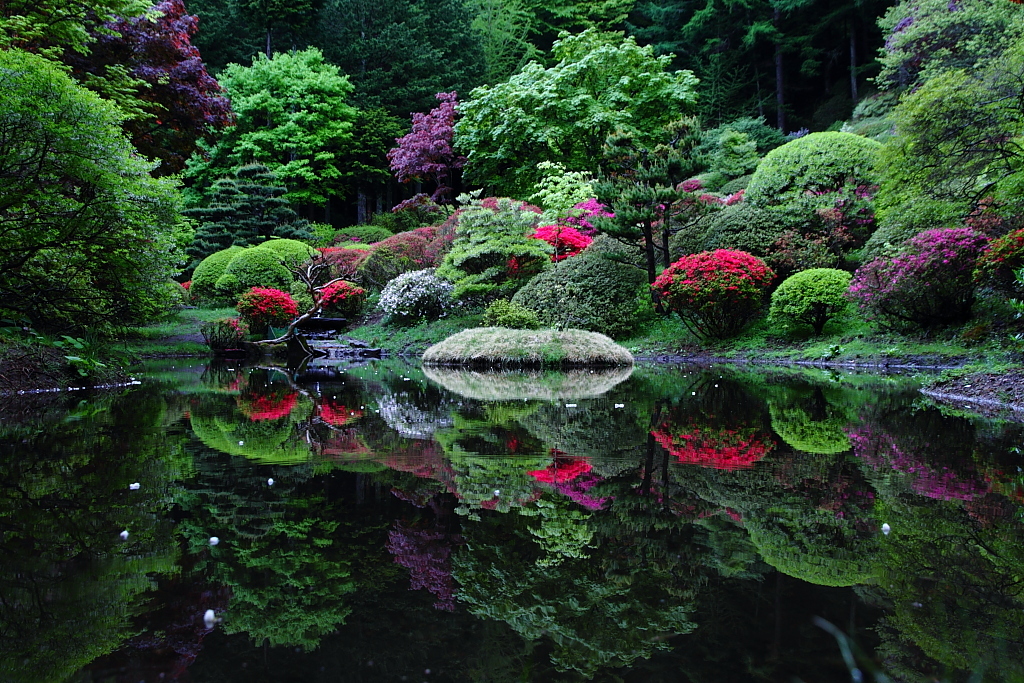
pixel 679 524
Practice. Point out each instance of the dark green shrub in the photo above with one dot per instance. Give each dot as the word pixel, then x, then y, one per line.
pixel 735 185
pixel 362 234
pixel 746 228
pixel 811 297
pixel 592 291
pixel 816 163
pixel 209 270
pixel 253 267
pixel 505 313
pixel 401 253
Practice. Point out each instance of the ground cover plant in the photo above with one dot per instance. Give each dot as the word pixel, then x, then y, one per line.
pixel 503 347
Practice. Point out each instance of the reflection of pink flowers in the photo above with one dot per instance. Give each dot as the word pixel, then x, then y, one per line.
pixel 881 451
pixel 338 415
pixel 722 449
pixel 577 490
pixel 267 407
pixel 562 470
pixel 426 553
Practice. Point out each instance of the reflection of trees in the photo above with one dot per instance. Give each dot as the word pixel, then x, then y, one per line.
pixel 593 615
pixel 808 421
pixel 71 587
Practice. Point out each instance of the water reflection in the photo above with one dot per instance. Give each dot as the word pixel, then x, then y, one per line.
pixel 666 524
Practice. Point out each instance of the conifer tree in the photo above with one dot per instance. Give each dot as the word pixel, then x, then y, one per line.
pixel 245 209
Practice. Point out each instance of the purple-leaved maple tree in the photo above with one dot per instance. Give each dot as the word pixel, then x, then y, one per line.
pixel 180 102
pixel 426 154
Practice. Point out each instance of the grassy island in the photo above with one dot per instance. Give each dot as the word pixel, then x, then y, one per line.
pixel 502 347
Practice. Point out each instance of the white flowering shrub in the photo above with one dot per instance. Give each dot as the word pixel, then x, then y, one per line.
pixel 415 296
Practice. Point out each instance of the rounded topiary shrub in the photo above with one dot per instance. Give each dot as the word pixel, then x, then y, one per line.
pixel 209 270
pixel 591 291
pixel 505 313
pixel 715 292
pixel 263 306
pixel 290 252
pixel 416 296
pixel 397 254
pixel 1004 256
pixel 745 227
pixel 810 298
pixel 816 163
pixel 253 267
pixel 929 282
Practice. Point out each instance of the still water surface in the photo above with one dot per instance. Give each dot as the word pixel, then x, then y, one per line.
pixel 382 523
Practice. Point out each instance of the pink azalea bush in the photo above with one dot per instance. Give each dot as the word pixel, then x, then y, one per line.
pixel 715 292
pixel 929 282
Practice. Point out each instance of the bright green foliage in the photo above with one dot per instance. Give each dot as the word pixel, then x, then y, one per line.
pixel 244 210
pixel 289 252
pixel 292 117
pixel 593 291
pixel 559 190
pixel 600 83
pixel 734 156
pixel 804 433
pixel 492 255
pixel 928 37
pixel 53 26
pixel 819 162
pixel 253 267
pixel 209 270
pixel 505 313
pixel 810 297
pixel 87 236
pixel 957 139
pixel 503 27
pixel 362 234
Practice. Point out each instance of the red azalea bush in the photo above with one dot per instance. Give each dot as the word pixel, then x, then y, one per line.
pixel 715 292
pixel 263 306
pixel 563 469
pixel 929 282
pixel 566 241
pixel 997 264
pixel 342 298
pixel 721 449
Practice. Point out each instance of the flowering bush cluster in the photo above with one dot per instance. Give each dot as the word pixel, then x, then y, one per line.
pixel 412 250
pixel 997 264
pixel 721 449
pixel 342 262
pixel 263 306
pixel 225 334
pixel 581 214
pixel 415 296
pixel 715 292
pixel 929 282
pixel 566 241
pixel 342 298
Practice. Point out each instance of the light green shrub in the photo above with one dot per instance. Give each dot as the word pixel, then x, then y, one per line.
pixel 810 297
pixel 253 267
pixel 505 313
pixel 591 291
pixel 209 270
pixel 291 252
pixel 819 162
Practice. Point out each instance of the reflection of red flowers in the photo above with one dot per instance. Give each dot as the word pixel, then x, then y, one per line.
pixel 338 415
pixel 268 407
pixel 562 470
pixel 722 449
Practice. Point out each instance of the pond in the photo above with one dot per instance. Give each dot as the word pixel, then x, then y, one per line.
pixel 379 522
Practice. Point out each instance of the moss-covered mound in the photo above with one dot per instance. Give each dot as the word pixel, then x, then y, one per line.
pixel 502 347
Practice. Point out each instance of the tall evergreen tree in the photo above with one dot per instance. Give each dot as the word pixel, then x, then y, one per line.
pixel 247 208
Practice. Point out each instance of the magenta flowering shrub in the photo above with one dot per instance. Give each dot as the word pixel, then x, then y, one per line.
pixel 427 153
pixel 583 212
pixel 929 282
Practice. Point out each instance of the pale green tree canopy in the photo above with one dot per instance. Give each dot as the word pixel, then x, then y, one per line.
pixel 292 116
pixel 601 83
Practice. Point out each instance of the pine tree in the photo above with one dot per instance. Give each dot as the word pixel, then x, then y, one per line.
pixel 244 210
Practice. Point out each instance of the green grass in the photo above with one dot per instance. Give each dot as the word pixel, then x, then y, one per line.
pixel 170 336
pixel 413 341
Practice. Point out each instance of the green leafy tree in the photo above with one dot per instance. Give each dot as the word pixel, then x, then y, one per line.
pixel 810 297
pixel 292 116
pixel 86 234
pixel 601 82
pixel 244 210
pixel 504 29
pixel 53 26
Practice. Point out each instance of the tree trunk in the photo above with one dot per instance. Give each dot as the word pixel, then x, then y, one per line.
pixel 780 101
pixel 268 43
pixel 360 207
pixel 853 64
